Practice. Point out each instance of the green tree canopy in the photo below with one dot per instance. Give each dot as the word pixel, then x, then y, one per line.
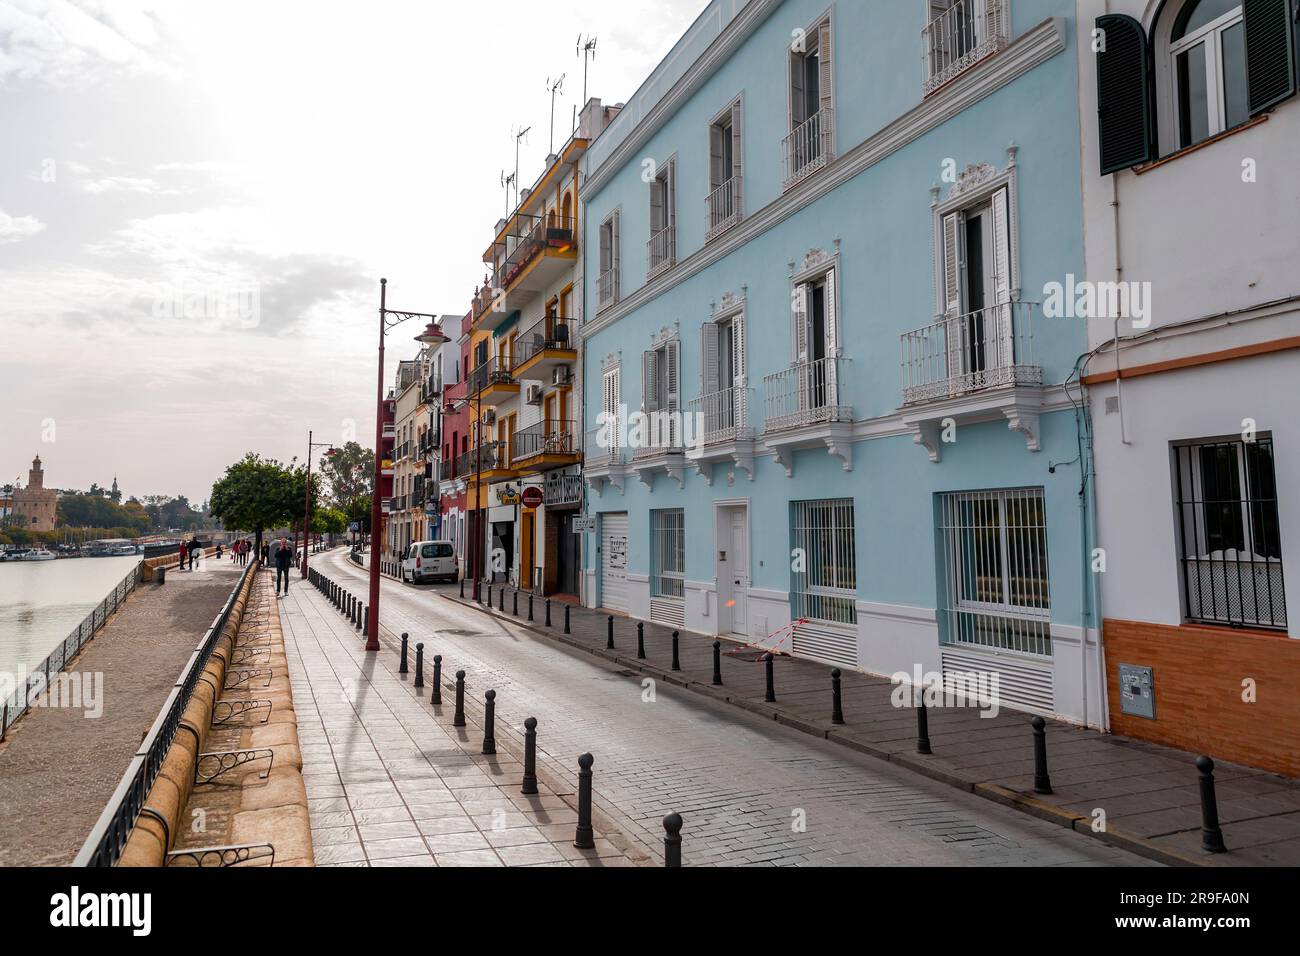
pixel 350 473
pixel 258 493
pixel 90 510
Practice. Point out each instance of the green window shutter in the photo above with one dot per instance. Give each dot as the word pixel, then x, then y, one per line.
pixel 1270 53
pixel 1126 116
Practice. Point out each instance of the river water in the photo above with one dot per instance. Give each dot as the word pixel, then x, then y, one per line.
pixel 42 602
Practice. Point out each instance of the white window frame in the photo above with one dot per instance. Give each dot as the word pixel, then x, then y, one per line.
pixel 1212 36
pixel 665 178
pixel 809 598
pixel 733 118
pixel 612 223
pixel 668 531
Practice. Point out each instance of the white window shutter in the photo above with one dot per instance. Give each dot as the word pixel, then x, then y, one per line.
pixel 709 358
pixel 672 355
pixel 797 92
pixel 649 382
pixel 825 49
pixel 670 200
pixel 618 252
pixel 657 214
pixel 738 368
pixel 832 339
pixel 953 262
pixel 799 323
pixel 1000 333
pixel 717 175
pixel 737 163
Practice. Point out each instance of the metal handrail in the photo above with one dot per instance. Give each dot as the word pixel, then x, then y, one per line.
pixel 547 438
pixel 809 147
pixel 107 840
pixel 549 332
pixel 16 704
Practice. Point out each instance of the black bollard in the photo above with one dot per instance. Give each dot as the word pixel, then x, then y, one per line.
pixel 490 722
pixel 923 728
pixel 1211 834
pixel 403 669
pixel 436 696
pixel 501 601
pixel 770 661
pixel 530 757
pixel 366 620
pixel 419 666
pixel 837 697
pixel 459 719
pixel 530 609
pixel 489 600
pixel 566 620
pixel 673 841
pixel 548 612
pixel 677 650
pixel 462 589
pixel 516 607
pixel 640 640
pixel 360 611
pixel 717 663
pixel 1042 782
pixel 609 628
pixel 584 837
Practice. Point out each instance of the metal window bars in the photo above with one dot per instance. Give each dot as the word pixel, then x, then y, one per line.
pixel 824 572
pixel 996 570
pixel 16 702
pixel 1230 550
pixel 809 147
pixel 668 553
pixel 963 35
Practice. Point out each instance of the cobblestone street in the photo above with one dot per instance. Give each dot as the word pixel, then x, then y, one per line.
pixel 752 792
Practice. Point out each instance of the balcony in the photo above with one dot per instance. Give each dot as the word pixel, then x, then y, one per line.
pixel 547 445
pixel 804 410
pixel 546 345
pixel 972 368
pixel 661 449
pixel 809 148
pixel 607 290
pixel 493 382
pixel 604 459
pixel 722 421
pixel 490 462
pixel 963 35
pixel 390 431
pixel 723 209
pixel 562 489
pixel 531 255
pixel 386 468
pixel 661 252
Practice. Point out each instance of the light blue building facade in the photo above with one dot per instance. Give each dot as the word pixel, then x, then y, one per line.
pixel 825 411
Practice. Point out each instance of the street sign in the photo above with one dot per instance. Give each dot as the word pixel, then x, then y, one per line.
pixel 584 525
pixel 354 526
pixel 533 497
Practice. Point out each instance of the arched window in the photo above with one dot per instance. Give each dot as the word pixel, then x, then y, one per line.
pixel 1207 63
pixel 566 214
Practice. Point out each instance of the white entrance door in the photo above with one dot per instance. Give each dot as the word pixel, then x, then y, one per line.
pixel 613 562
pixel 733 571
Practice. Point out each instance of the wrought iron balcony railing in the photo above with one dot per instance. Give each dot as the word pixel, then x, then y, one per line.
pixel 661 251
pixel 547 333
pixel 969 353
pixel 809 148
pixel 961 36
pixel 547 438
pixel 607 288
pixel 724 415
pixel 724 208
pixel 806 394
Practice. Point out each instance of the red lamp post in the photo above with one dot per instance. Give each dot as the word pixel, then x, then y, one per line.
pixel 432 335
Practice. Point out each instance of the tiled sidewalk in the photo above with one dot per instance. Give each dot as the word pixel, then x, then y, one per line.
pixel 1148 795
pixel 390 782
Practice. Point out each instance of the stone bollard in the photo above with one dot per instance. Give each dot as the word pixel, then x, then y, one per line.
pixel 837 697
pixel 530 757
pixel 923 728
pixel 717 663
pixel 402 668
pixel 1042 782
pixel 458 720
pixel 436 697
pixel 584 837
pixel 490 722
pixel 673 841
pixel 609 629
pixel 419 667
pixel 1211 834
pixel 640 640
pixel 770 662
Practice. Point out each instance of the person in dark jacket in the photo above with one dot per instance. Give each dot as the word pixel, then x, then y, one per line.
pixel 195 549
pixel 283 562
pixel 266 557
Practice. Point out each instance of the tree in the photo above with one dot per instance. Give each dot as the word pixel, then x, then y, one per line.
pixel 329 521
pixel 350 473
pixel 259 494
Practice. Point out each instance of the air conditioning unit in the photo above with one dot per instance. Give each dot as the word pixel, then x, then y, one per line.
pixel 534 395
pixel 561 375
pixel 489 418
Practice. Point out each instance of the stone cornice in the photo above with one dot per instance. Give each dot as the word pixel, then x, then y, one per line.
pixel 1038 45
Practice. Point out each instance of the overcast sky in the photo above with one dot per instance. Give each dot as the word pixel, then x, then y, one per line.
pixel 197 201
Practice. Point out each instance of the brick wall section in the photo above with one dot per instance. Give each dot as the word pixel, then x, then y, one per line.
pixel 1198 687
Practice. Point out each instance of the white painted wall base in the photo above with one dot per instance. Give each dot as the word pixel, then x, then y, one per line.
pixel 895 638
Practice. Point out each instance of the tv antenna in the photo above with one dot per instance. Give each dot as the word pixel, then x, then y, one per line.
pixel 506 183
pixel 519 138
pixel 554 87
pixel 587 50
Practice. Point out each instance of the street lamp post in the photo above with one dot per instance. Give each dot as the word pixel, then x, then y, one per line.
pixel 306 512
pixel 432 335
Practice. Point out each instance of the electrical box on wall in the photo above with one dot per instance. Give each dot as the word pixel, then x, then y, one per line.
pixel 1137 691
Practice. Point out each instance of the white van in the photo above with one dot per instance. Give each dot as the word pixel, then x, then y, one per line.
pixel 430 561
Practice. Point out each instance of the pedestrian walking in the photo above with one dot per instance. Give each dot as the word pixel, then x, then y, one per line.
pixel 283 562
pixel 184 552
pixel 266 557
pixel 196 550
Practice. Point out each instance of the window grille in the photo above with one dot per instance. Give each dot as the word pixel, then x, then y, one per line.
pixel 824 581
pixel 668 544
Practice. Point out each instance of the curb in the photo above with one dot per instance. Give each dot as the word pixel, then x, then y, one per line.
pixel 1025 803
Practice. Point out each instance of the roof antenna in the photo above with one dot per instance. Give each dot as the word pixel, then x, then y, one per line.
pixel 587 50
pixel 506 183
pixel 519 138
pixel 554 88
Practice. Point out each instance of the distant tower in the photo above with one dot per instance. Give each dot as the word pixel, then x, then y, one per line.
pixel 116 494
pixel 36 477
pixel 36 507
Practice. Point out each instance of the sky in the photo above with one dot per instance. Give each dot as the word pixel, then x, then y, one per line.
pixel 197 202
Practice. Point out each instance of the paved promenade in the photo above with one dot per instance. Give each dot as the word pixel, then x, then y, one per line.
pixel 1146 795
pixel 753 792
pixel 58 768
